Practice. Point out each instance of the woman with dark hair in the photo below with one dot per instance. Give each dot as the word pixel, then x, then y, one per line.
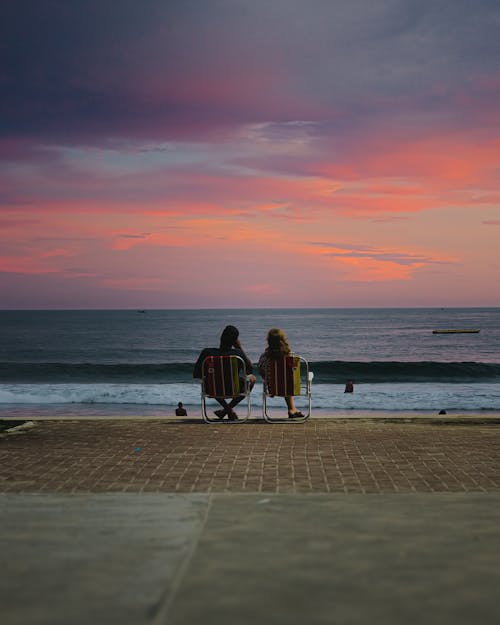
pixel 229 345
pixel 278 347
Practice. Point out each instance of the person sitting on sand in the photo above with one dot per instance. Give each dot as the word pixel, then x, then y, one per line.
pixel 278 347
pixel 180 411
pixel 229 346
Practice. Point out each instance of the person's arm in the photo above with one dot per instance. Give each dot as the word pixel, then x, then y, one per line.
pixel 197 373
pixel 248 362
pixel 262 365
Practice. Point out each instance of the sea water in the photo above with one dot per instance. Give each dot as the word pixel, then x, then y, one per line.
pixel 129 362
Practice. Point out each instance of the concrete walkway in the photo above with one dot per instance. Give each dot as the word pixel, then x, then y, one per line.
pixel 360 549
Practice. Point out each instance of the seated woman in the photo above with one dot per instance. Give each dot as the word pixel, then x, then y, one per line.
pixel 230 345
pixel 278 347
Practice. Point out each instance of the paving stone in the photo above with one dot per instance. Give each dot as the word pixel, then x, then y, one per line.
pixel 322 455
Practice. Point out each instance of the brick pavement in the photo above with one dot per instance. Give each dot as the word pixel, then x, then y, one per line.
pixel 322 455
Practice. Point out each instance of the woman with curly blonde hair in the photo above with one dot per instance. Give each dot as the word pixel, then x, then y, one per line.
pixel 278 347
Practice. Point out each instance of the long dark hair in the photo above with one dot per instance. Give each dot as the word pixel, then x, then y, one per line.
pixel 229 336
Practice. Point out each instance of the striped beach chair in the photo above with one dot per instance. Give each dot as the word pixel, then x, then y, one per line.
pixel 285 377
pixel 224 377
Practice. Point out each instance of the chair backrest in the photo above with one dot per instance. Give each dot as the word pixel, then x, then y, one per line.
pixel 221 376
pixel 283 376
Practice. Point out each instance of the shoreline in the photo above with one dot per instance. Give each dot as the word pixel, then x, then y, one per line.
pixel 489 417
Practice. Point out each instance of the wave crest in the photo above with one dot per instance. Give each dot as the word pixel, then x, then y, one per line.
pixel 327 372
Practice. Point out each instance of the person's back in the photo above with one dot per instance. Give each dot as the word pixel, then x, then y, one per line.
pixel 180 411
pixel 229 346
pixel 278 348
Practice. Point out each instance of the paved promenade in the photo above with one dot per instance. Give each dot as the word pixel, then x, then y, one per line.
pixel 329 522
pixel 322 455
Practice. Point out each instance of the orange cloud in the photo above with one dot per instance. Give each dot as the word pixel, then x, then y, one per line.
pixel 446 158
pixel 371 269
pixel 26 265
pixel 367 263
pixel 396 173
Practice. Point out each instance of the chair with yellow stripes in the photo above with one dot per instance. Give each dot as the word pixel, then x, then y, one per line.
pixel 286 377
pixel 224 377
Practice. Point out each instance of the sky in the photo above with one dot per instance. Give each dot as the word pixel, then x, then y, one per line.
pixel 249 153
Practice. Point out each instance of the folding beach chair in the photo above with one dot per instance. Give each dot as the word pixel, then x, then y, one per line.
pixel 224 377
pixel 285 377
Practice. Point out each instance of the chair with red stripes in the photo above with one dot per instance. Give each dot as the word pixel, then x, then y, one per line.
pixel 285 377
pixel 224 377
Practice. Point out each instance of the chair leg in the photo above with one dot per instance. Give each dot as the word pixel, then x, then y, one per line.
pixel 270 419
pixel 212 420
pixel 204 413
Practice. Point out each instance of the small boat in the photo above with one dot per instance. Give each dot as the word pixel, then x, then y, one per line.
pixel 471 331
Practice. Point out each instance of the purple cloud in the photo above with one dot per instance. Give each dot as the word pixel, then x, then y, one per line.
pixel 83 72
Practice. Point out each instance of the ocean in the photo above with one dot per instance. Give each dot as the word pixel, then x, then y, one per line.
pixel 130 362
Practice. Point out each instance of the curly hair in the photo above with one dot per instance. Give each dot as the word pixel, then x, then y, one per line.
pixel 277 344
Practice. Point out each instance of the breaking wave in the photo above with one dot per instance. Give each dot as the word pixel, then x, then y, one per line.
pixel 327 372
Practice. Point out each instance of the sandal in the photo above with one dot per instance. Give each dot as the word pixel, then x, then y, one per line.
pixel 295 415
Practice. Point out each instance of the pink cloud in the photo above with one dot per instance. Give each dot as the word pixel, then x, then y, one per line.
pixel 25 265
pixel 367 263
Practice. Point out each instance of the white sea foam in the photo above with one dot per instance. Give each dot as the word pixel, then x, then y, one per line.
pixel 366 397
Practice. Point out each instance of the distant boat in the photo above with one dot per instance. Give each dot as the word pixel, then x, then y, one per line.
pixel 141 311
pixel 472 331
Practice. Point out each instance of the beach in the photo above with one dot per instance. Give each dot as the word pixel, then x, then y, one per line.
pixel 121 363
pixel 377 509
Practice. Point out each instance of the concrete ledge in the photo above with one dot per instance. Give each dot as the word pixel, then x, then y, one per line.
pixel 450 419
pixel 246 559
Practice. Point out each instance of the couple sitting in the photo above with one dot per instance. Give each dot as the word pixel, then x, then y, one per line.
pixel 277 347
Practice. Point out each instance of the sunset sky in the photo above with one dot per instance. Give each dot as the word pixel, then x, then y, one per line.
pixel 249 153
